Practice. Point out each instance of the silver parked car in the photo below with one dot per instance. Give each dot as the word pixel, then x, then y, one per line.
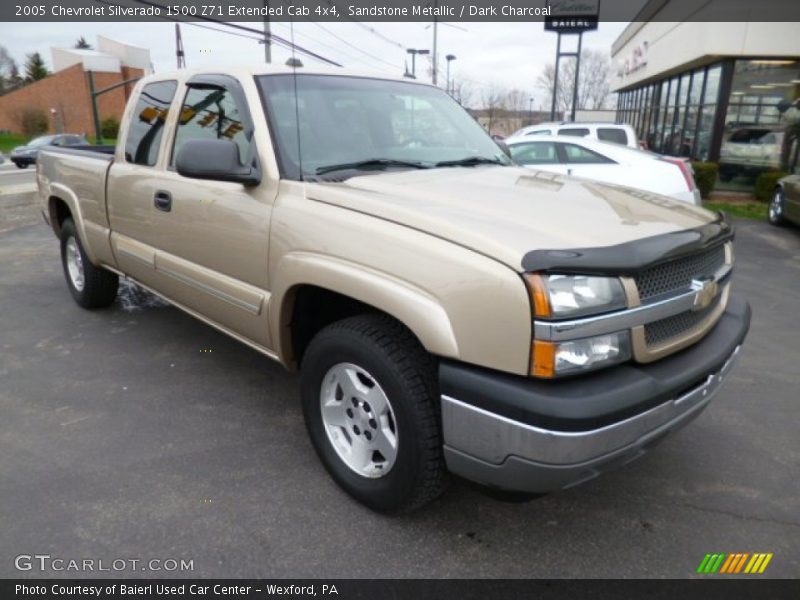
pixel 22 156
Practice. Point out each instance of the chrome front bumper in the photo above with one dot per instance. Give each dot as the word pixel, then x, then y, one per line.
pixel 507 454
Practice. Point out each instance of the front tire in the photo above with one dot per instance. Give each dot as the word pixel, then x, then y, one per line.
pixel 776 208
pixel 90 286
pixel 370 401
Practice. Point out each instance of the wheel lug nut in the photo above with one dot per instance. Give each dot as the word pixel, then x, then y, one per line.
pixel 368 435
pixel 365 406
pixel 354 401
pixel 373 423
pixel 356 430
pixel 349 412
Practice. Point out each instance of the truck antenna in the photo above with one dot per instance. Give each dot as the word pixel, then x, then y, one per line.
pixel 294 62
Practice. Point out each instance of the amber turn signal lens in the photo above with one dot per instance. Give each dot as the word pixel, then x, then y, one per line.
pixel 543 359
pixel 538 293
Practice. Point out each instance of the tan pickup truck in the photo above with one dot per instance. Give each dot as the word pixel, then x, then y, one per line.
pixel 448 311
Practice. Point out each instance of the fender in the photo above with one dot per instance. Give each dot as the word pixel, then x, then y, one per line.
pixel 414 307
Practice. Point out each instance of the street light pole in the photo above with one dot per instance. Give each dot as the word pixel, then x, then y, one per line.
pixel 449 58
pixel 530 110
pixel 413 52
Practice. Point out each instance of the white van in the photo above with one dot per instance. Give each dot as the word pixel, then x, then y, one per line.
pixel 615 133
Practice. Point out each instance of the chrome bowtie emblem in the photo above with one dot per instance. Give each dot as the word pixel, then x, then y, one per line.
pixel 706 290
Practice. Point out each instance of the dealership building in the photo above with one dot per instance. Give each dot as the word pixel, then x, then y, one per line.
pixel 727 92
pixel 64 97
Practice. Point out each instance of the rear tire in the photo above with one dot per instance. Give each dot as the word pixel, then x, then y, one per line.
pixel 90 286
pixel 776 208
pixel 380 436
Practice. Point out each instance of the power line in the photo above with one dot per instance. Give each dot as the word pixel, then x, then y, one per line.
pixel 272 37
pixel 328 46
pixel 241 35
pixel 377 33
pixel 329 32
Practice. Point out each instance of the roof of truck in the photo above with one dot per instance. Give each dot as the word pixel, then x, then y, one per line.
pixel 263 69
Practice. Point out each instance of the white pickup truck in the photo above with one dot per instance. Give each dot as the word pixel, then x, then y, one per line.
pixel 448 310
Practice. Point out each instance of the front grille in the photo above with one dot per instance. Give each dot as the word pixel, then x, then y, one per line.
pixel 676 326
pixel 676 276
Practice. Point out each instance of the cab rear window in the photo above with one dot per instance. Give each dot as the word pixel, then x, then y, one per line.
pixel 574 131
pixel 612 134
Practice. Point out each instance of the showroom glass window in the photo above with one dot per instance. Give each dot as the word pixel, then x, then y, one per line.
pixel 764 100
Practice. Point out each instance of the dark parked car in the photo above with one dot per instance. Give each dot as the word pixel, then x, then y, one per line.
pixel 22 156
pixel 785 204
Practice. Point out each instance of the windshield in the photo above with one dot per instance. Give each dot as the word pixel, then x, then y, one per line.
pixel 362 123
pixel 41 141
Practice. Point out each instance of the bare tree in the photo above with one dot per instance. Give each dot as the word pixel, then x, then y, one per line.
pixel 593 84
pixel 463 90
pixel 492 102
pixel 516 103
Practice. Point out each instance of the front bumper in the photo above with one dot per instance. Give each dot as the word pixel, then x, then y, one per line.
pixel 520 434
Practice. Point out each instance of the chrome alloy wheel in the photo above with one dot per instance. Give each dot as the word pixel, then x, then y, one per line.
pixel 75 264
pixel 358 419
pixel 776 207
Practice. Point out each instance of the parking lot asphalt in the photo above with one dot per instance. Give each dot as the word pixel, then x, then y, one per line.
pixel 142 433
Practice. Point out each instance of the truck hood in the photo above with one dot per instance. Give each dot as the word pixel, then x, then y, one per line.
pixel 505 212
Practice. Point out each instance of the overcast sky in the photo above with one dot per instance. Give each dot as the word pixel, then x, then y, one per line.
pixel 507 54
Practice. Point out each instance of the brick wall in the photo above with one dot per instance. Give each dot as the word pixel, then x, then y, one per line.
pixel 67 91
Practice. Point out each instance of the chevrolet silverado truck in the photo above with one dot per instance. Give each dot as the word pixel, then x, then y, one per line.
pixel 448 311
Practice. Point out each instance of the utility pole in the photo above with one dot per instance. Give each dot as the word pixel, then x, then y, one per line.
pixel 179 53
pixel 267 35
pixel 530 110
pixel 435 40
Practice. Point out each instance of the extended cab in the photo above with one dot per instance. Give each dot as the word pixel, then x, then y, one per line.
pixel 447 310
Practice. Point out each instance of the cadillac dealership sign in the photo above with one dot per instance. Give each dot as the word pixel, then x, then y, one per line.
pixel 572 16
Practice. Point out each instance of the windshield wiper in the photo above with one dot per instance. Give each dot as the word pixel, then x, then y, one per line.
pixel 372 162
pixel 470 161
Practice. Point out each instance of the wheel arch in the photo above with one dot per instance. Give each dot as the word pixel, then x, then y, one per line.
pixel 312 291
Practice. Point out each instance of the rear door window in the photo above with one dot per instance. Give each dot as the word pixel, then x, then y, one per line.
pixel 579 155
pixel 147 122
pixel 614 135
pixel 574 131
pixel 534 153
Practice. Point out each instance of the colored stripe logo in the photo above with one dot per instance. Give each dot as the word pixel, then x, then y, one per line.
pixel 737 562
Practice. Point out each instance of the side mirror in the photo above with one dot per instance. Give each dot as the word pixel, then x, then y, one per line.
pixel 215 159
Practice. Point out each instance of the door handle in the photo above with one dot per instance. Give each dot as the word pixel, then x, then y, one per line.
pixel 163 201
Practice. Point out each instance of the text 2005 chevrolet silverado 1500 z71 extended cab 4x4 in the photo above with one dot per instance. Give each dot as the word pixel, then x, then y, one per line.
pixel 447 310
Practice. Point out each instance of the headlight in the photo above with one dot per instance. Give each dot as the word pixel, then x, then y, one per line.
pixel 552 359
pixel 569 296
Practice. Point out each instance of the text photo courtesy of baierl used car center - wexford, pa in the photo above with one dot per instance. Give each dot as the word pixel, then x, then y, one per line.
pixel 413 299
